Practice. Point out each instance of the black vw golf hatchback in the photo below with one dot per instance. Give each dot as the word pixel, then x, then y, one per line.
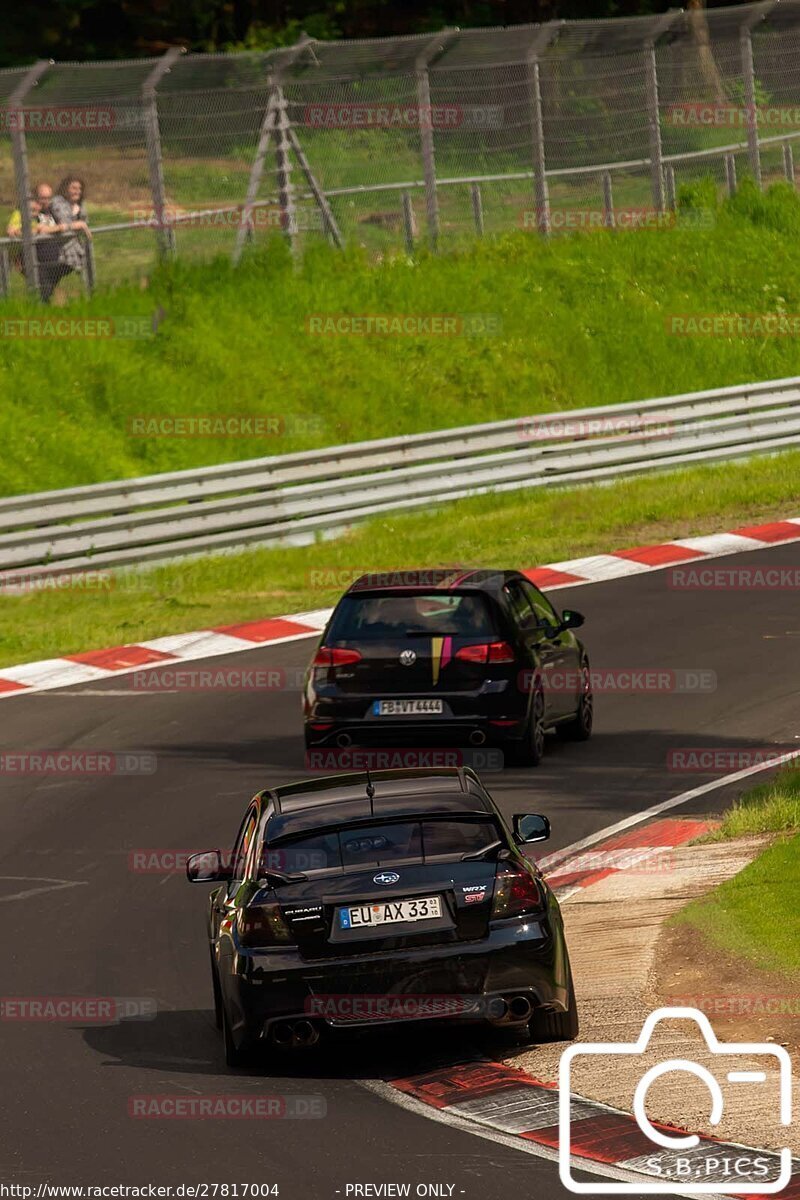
pixel 453 657
pixel 358 900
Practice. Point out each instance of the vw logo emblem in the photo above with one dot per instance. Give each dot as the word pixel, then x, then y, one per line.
pixel 386 877
pixel 408 658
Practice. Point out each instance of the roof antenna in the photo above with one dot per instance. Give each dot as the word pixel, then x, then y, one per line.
pixel 370 792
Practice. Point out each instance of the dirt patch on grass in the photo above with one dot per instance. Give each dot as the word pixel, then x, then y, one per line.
pixel 742 1002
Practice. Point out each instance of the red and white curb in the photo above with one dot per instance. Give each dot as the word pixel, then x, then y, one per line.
pixel 501 1099
pixel 642 851
pixel 93 665
pixel 508 1105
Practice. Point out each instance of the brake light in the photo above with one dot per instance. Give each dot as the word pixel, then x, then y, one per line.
pixel 486 652
pixel 263 925
pixel 516 892
pixel 328 656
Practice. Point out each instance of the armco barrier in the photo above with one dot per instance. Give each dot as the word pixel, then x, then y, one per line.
pixel 292 498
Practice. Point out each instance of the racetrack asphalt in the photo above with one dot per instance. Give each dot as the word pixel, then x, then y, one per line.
pixel 92 926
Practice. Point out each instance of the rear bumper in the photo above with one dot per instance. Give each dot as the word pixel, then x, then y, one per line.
pixel 449 982
pixel 447 731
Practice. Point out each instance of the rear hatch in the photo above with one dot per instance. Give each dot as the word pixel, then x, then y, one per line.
pixel 389 909
pixel 409 642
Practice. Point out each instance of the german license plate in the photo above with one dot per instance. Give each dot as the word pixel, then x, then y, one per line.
pixel 407 708
pixel 390 912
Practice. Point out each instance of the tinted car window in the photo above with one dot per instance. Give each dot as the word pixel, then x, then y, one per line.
pixel 521 605
pixel 545 613
pixel 380 845
pixel 463 614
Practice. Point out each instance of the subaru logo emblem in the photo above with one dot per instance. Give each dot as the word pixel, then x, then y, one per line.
pixel 408 657
pixel 386 877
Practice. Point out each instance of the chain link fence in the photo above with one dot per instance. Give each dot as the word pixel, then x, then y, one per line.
pixel 389 143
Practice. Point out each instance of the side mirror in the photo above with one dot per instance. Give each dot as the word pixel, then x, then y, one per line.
pixel 570 619
pixel 530 827
pixel 207 867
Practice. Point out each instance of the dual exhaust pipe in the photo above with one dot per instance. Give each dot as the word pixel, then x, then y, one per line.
pixel 289 1035
pixel 511 1010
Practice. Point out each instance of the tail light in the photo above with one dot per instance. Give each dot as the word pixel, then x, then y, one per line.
pixel 328 656
pixel 486 652
pixel 263 925
pixel 517 892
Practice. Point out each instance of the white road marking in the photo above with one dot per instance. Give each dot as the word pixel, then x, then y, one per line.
pixel 53 885
pixel 558 856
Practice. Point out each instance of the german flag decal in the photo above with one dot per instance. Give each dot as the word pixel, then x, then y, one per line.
pixel 441 653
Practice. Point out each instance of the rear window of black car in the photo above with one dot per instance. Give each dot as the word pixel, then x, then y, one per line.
pixel 380 845
pixel 459 614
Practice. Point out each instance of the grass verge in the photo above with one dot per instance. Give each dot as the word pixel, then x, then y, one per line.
pixel 772 807
pixel 521 529
pixel 755 914
pixel 580 320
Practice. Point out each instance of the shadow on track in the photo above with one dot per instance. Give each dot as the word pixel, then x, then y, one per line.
pixel 186 1042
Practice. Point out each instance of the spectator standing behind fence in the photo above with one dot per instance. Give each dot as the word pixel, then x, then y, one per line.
pixel 70 217
pixel 48 248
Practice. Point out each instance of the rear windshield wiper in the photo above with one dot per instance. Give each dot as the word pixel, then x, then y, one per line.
pixel 484 852
pixel 277 878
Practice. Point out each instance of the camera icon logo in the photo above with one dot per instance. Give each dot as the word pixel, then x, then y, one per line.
pixel 672 1173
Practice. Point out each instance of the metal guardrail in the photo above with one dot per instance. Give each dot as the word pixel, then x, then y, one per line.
pixel 294 498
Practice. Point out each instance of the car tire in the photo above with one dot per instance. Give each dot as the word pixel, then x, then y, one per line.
pixel 236 1056
pixel 217 991
pixel 548 1026
pixel 579 729
pixel 530 750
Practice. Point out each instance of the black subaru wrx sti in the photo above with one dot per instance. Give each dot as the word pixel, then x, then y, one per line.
pixel 360 899
pixel 449 656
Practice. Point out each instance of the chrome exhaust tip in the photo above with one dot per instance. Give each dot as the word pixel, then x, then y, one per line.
pixel 344 739
pixel 477 737
pixel 519 1008
pixel 305 1034
pixel 282 1033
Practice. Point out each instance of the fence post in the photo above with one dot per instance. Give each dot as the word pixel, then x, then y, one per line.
pixel 244 232
pixel 749 82
pixel 20 153
pixel 424 116
pixel 269 122
pixel 477 208
pixel 653 110
pixel 545 36
pixel 5 272
pixel 730 174
pixel 669 179
pixel 283 171
pixel 608 201
pixel 91 274
pixel 788 162
pixel 165 234
pixel 408 223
